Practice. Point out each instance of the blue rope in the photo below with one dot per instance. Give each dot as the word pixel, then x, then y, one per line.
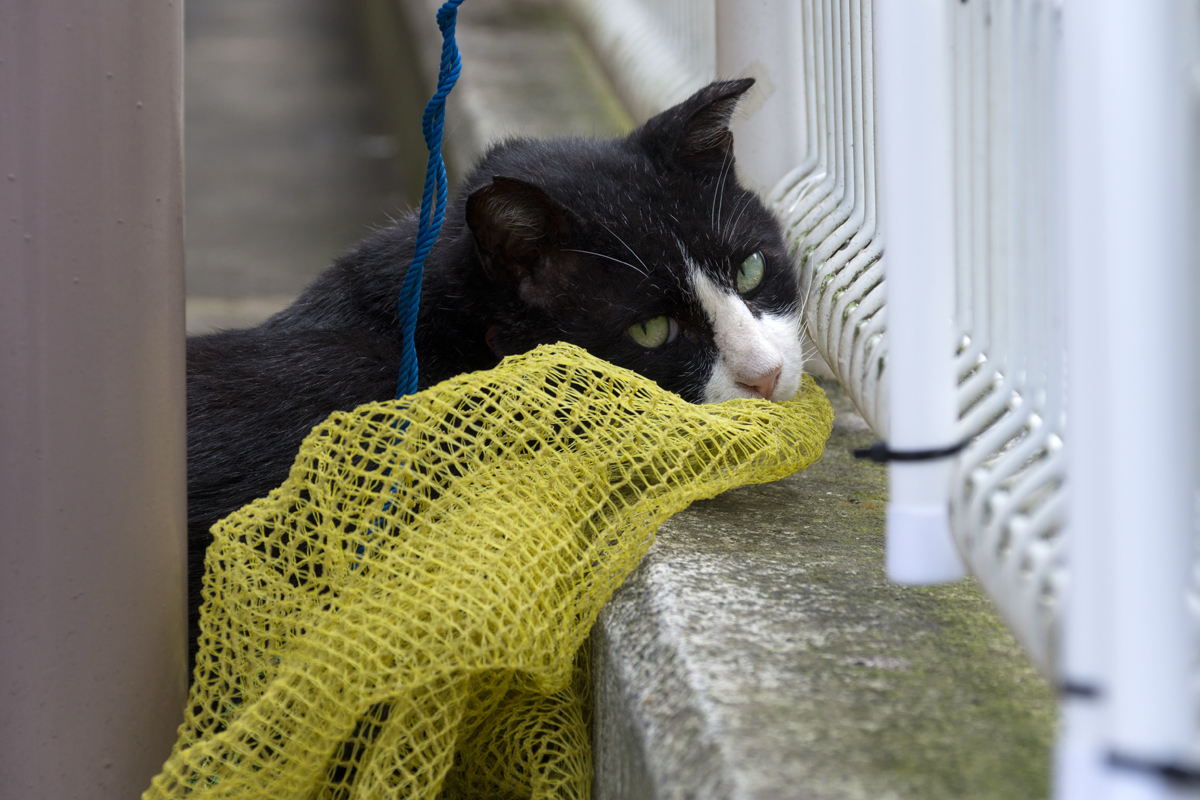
pixel 428 227
pixel 435 182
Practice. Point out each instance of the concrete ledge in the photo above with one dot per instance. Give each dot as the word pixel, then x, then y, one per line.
pixel 758 651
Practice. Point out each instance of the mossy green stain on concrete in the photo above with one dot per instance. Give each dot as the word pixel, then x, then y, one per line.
pixel 896 691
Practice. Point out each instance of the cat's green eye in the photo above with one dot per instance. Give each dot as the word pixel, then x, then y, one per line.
pixel 750 273
pixel 654 332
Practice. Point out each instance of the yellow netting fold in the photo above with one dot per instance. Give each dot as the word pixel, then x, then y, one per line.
pixel 404 617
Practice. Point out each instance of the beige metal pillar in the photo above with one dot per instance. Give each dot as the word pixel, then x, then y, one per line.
pixel 92 490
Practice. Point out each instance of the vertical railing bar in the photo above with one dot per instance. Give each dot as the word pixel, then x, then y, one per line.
pixel 845 254
pixel 804 197
pixel 792 185
pixel 981 517
pixel 1018 267
pixel 832 184
pixel 917 189
pixel 1055 158
pixel 1152 432
pixel 1035 267
pixel 999 124
pixel 837 225
pixel 975 269
pixel 971 315
pixel 1043 270
pixel 981 147
pixel 845 242
pixel 1132 451
pixel 812 223
pixel 963 55
pixel 1079 757
pixel 812 113
pixel 819 198
pixel 868 259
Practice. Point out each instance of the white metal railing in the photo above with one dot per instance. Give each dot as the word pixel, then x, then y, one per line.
pixel 1008 169
pixel 829 207
pixel 1007 501
pixel 1129 647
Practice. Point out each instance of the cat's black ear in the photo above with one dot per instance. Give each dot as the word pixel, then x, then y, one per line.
pixel 518 230
pixel 695 133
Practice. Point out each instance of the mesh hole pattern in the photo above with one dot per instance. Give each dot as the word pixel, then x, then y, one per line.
pixel 405 617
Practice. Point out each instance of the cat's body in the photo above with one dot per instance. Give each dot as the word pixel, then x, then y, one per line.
pixel 642 250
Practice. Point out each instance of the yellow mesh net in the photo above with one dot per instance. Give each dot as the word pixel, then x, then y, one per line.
pixel 404 617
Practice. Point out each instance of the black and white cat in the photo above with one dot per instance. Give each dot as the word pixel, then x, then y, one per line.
pixel 643 250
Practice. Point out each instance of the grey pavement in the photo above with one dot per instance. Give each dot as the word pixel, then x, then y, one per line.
pixel 287 161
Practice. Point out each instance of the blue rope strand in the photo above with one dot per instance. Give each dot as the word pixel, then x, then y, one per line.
pixel 433 211
pixel 433 200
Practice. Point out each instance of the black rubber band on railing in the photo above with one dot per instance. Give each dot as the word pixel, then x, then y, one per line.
pixel 1086 691
pixel 1175 773
pixel 882 454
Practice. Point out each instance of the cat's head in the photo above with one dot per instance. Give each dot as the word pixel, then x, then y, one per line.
pixel 643 250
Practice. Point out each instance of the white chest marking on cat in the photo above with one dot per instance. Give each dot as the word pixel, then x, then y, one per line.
pixel 757 356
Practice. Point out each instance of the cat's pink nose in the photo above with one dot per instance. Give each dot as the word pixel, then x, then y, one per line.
pixel 763 385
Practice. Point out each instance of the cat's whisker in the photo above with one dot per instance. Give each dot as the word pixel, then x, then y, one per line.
pixel 627 247
pixel 724 183
pixel 718 194
pixel 731 233
pixel 712 214
pixel 803 307
pixel 610 258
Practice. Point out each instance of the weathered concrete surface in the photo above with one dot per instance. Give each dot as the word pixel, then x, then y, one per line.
pixel 287 162
pixel 759 652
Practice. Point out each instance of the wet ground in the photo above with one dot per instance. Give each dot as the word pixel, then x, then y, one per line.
pixel 287 161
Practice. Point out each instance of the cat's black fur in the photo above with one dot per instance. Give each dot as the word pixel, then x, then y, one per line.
pixel 563 240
